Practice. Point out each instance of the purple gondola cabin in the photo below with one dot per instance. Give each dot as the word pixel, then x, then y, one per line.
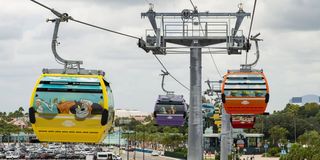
pixel 170 110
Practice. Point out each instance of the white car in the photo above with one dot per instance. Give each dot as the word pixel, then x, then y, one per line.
pixel 2 155
pixel 12 155
pixel 155 153
pixel 118 157
pixel 111 147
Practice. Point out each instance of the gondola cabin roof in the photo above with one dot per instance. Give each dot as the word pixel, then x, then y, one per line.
pixel 171 98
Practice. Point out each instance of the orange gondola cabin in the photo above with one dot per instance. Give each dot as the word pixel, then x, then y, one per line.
pixel 245 92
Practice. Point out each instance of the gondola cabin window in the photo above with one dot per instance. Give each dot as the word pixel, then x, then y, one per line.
pixel 61 95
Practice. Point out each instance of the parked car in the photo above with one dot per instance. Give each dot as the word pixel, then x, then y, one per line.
pixel 44 156
pixel 32 156
pixel 2 155
pixel 156 153
pixel 60 156
pixel 110 147
pixel 118 157
pixel 106 156
pixel 130 149
pixel 12 155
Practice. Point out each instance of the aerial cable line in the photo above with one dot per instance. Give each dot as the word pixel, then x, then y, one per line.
pixel 193 4
pixel 251 23
pixel 212 59
pixel 105 29
pixel 214 62
pixel 65 17
pixel 165 68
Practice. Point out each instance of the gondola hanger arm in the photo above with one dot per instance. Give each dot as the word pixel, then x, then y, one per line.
pixel 249 66
pixel 164 74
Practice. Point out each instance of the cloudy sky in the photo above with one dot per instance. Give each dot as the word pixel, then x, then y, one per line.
pixel 289 53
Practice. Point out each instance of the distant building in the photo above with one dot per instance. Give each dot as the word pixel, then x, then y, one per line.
pixel 252 141
pixel 17 137
pixel 21 122
pixel 305 99
pixel 137 115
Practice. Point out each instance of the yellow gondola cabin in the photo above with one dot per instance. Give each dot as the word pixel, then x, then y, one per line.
pixel 71 108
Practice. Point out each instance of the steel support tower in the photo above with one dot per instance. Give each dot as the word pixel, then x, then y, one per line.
pixel 191 31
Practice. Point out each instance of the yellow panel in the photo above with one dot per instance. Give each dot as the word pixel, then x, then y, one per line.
pixel 34 90
pixel 216 116
pixel 217 122
pixel 104 93
pixel 64 128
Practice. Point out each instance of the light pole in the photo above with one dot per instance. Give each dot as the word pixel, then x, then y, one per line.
pixel 135 144
pixel 119 140
pixel 128 145
pixel 109 140
pixel 143 143
pixel 265 147
pixel 295 130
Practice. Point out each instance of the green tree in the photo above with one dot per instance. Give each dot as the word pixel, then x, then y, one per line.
pixel 148 118
pixel 298 152
pixel 28 130
pixel 291 108
pixel 132 125
pixel 309 109
pixel 309 138
pixel 6 129
pixel 170 130
pixel 278 133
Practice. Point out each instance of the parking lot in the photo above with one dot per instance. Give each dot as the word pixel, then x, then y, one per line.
pixel 50 151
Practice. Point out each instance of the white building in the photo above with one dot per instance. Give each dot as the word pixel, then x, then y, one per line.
pixel 137 115
pixel 305 99
pixel 21 122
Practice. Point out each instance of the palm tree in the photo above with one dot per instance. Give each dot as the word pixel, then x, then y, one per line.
pixel 21 109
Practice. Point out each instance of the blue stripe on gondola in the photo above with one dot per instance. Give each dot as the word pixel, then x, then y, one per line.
pixel 207 105
pixel 70 79
pixel 54 86
pixel 71 83
pixel 245 78
pixel 68 90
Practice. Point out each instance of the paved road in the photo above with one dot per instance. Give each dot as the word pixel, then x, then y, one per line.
pixel 254 157
pixel 138 155
pixel 147 156
pixel 258 157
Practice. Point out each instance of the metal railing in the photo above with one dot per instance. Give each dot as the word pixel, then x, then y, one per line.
pixel 191 29
pixel 194 29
